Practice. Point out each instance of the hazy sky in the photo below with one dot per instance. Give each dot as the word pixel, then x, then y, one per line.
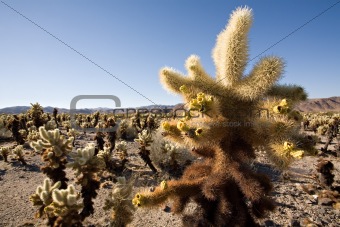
pixel 132 40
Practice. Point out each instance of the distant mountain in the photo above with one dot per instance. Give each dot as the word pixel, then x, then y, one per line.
pixel 310 105
pixel 320 105
pixel 49 109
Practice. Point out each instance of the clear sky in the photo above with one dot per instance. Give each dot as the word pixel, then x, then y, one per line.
pixel 132 40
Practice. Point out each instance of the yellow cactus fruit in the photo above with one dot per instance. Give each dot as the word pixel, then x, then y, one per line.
pixel 284 102
pixel 164 185
pixel 182 126
pixel 198 131
pixel 183 89
pixel 166 125
pixel 194 104
pixel 138 200
pixel 298 154
pixel 288 146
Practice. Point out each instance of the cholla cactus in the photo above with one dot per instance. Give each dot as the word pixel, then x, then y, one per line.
pixel 43 197
pixel 18 153
pixel 123 126
pixel 36 114
pixel 86 159
pixel 172 150
pixel 14 125
pixel 65 207
pixel 144 139
pixel 66 125
pixel 105 154
pixel 89 166
pixel 33 134
pixel 4 132
pixel 228 128
pixel 50 125
pixel 54 149
pixel 122 149
pixel 5 151
pixel 43 193
pixel 72 133
pixel 120 204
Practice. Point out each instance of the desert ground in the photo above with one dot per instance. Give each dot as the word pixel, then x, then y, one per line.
pixel 296 205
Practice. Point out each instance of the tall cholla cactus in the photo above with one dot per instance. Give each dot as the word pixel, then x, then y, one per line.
pixel 144 140
pixel 87 166
pixel 120 204
pixel 227 190
pixel 54 149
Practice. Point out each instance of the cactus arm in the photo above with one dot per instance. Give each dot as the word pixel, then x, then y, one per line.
pixel 231 51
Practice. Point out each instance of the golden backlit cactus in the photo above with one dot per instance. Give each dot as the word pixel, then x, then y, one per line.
pixel 223 127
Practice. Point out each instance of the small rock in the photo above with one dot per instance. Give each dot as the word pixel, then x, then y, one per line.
pixel 295 223
pixel 269 223
pixel 325 201
pixel 167 209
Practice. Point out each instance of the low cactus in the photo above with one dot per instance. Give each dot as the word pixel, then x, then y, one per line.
pixel 119 202
pixel 43 198
pixel 65 207
pixel 18 153
pixel 5 151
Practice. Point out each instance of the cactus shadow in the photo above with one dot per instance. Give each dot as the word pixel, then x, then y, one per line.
pixel 273 173
pixel 28 167
pixel 2 172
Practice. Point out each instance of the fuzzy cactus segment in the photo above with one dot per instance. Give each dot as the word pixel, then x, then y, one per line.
pixel 43 193
pixel 52 140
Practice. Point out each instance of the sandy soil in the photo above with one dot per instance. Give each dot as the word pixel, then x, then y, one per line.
pixel 294 205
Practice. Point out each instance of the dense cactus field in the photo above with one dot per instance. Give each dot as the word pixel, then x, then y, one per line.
pixel 238 154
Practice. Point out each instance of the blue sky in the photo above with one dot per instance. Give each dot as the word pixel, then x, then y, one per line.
pixel 134 39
